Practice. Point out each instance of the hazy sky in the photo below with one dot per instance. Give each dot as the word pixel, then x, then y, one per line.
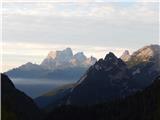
pixel 32 29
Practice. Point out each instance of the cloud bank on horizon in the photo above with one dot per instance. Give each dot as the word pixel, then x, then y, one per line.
pixel 31 29
pixel 81 1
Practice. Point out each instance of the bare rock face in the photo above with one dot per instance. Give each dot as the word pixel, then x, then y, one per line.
pixel 91 61
pixel 144 65
pixel 65 58
pixel 78 59
pixel 125 56
pixel 57 58
pixel 148 53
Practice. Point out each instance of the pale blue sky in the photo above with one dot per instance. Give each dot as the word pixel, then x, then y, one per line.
pixel 31 30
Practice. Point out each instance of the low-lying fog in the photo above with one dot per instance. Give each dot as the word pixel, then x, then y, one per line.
pixel 37 87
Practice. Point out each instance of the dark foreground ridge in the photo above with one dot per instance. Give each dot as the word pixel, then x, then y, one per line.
pixel 143 105
pixel 15 104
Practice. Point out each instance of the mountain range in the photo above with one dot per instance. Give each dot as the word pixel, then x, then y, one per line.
pixel 125 88
pixel 57 65
pixel 110 78
pixel 64 59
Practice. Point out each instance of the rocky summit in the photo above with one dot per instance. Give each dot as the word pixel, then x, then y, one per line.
pixel 107 79
pixel 65 58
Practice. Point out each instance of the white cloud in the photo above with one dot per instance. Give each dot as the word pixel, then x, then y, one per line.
pixel 31 30
pixel 35 49
pixel 112 11
pixel 80 1
pixel 140 0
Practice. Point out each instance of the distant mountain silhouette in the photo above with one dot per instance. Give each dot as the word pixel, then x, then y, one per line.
pixel 15 104
pixel 57 65
pixel 144 105
pixel 65 59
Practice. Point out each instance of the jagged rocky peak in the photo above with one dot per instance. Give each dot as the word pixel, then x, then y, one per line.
pixel 55 58
pixel 52 54
pixel 110 61
pixel 110 56
pixel 65 58
pixel 105 74
pixel 80 56
pixel 91 60
pixel 125 56
pixel 69 51
pixel 147 52
pixel 55 54
pixel 126 52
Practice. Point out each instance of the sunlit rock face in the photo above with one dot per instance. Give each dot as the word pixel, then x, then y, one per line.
pixel 144 65
pixel 125 56
pixel 65 58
